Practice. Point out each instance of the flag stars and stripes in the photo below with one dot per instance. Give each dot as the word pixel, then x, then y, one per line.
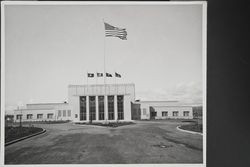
pixel 111 31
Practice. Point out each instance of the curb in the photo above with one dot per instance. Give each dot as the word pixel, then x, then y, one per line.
pixel 25 137
pixel 91 126
pixel 178 128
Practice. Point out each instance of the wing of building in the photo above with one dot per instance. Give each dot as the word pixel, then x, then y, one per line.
pixel 162 110
pixel 103 103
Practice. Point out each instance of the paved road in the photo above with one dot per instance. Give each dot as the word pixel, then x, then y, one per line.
pixel 143 142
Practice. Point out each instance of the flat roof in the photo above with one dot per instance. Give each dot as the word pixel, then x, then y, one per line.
pixel 168 101
pixel 93 85
pixel 150 102
pixel 45 103
pixel 34 109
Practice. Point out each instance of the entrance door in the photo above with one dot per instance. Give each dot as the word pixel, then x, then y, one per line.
pixel 152 113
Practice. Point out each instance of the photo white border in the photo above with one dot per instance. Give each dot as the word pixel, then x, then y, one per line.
pixel 204 71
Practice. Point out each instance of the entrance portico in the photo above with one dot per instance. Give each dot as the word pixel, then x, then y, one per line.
pixel 99 103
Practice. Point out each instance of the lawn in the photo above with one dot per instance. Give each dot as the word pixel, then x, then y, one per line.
pixel 40 122
pixel 13 133
pixel 192 127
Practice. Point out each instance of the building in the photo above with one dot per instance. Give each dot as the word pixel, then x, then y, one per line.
pixel 103 103
pixel 96 103
pixel 162 110
pixel 44 111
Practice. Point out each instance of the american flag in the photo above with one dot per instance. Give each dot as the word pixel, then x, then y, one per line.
pixel 111 31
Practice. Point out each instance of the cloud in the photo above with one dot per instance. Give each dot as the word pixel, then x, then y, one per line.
pixel 184 92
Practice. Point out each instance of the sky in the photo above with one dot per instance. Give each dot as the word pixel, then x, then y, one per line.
pixel 49 47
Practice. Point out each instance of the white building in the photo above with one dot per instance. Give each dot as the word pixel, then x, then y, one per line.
pixel 44 111
pixel 103 103
pixel 163 110
pixel 97 103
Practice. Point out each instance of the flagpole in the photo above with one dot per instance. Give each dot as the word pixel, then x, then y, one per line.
pixel 96 78
pixel 87 78
pixel 104 69
pixel 87 82
pixel 104 56
pixel 116 84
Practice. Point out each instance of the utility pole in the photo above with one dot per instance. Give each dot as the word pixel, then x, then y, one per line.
pixel 21 118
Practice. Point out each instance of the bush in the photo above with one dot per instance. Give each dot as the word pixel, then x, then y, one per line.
pixel 109 124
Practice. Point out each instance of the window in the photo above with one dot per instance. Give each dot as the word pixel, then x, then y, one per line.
pixel 76 115
pixel 92 108
pixel 83 109
pixel 164 113
pixel 39 116
pixel 101 107
pixel 144 111
pixel 175 113
pixel 19 116
pixel 111 107
pixel 186 113
pixel 120 107
pixel 59 113
pixel 50 116
pixel 64 113
pixel 69 113
pixel 29 116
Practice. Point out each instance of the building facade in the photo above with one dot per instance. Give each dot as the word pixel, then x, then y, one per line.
pixel 44 112
pixel 86 103
pixel 99 103
pixel 103 103
pixel 163 110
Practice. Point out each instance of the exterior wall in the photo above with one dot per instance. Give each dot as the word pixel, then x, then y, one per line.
pixel 171 109
pixel 160 106
pixel 127 108
pixel 75 91
pixel 34 112
pixel 145 112
pixel 45 108
pixel 136 111
pixel 74 101
pixel 63 108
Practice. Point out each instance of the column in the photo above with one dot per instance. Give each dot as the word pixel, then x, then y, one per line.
pixel 115 107
pixel 87 108
pixel 105 107
pixel 96 108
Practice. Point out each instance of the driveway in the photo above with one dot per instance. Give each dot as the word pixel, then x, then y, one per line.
pixel 143 142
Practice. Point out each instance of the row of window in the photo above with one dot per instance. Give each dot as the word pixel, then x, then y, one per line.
pixel 175 113
pixel 92 107
pixel 49 116
pixel 62 113
pixel 165 113
pixel 38 116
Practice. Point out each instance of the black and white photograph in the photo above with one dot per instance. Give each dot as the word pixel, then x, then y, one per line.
pixel 103 83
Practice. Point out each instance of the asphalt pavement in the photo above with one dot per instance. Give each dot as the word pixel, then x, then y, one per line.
pixel 143 142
